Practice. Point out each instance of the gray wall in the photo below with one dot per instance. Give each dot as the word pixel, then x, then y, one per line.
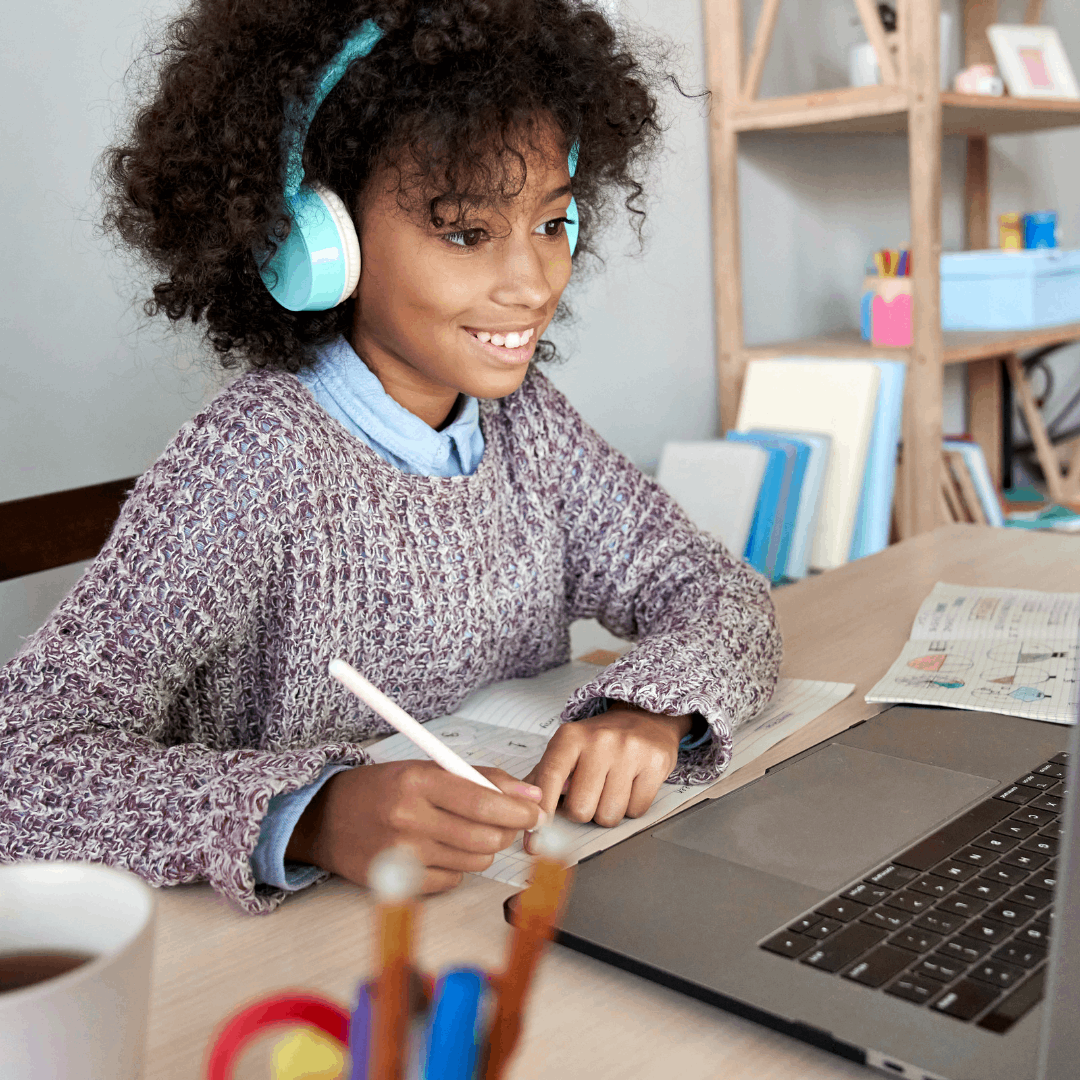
pixel 90 393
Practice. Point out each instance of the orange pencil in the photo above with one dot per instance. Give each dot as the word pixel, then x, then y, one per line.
pixel 394 876
pixel 537 910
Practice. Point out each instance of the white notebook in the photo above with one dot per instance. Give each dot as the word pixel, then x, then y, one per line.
pixel 717 483
pixel 1010 651
pixel 836 398
pixel 507 726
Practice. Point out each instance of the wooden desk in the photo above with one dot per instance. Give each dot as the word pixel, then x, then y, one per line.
pixel 586 1019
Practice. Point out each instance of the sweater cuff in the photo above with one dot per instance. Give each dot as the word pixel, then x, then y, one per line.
pixel 282 814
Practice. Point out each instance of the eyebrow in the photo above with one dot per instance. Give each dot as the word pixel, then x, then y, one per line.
pixel 558 193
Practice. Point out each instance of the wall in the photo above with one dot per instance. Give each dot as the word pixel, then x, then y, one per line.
pixel 90 393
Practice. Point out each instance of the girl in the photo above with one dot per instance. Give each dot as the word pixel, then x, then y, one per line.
pixel 392 480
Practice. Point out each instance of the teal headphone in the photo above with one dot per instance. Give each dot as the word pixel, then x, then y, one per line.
pixel 318 265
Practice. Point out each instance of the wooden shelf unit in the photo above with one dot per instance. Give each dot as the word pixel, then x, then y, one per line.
pixel 909 104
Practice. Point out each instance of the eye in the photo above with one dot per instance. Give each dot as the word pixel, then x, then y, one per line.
pixel 464 237
pixel 554 227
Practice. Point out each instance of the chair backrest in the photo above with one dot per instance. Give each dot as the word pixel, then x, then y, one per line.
pixel 62 527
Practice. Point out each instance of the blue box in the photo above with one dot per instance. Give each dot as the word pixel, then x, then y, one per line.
pixel 1009 290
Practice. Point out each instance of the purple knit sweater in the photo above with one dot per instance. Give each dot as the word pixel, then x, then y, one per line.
pixel 182 683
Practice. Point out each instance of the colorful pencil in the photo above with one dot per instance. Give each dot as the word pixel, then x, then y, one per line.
pixel 537 910
pixel 395 876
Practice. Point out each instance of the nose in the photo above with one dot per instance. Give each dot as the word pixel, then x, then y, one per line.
pixel 523 279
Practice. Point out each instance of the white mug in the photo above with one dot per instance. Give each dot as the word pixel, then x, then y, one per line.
pixel 90 1023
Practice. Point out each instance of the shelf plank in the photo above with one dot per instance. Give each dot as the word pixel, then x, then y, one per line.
pixel 961 346
pixel 883 110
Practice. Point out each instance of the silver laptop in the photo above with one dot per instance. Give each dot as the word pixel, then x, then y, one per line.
pixel 891 895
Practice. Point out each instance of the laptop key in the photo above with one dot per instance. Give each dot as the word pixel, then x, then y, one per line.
pixel 887 918
pixel 964 906
pixel 918 941
pixel 997 973
pixel 1011 914
pixel 788 944
pixel 914 902
pixel 1016 1004
pixel 1009 875
pixel 879 966
pixel 985 890
pixel 960 871
pixel 993 842
pixel 1042 845
pixel 1034 780
pixel 1052 768
pixel 1020 829
pixel 1016 952
pixel 1015 794
pixel 1061 758
pixel 965 949
pixel 1034 935
pixel 966 999
pixel 1044 879
pixel 892 876
pixel 915 988
pixel 866 893
pixel 839 950
pixel 955 834
pixel 1030 816
pixel 844 910
pixel 1026 860
pixel 940 967
pixel 823 928
pixel 1031 895
pixel 939 923
pixel 804 924
pixel 932 885
pixel 984 930
pixel 975 856
pixel 1046 801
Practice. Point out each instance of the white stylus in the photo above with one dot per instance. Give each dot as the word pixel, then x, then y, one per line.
pixel 412 729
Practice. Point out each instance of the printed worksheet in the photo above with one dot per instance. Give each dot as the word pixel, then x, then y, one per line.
pixel 1011 651
pixel 507 726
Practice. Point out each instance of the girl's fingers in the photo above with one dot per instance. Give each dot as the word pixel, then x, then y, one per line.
pixel 646 785
pixel 612 804
pixel 440 881
pixel 458 833
pixel 438 856
pixel 554 769
pixel 473 803
pixel 586 787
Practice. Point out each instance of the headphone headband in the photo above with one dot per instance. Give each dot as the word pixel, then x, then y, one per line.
pixel 299 114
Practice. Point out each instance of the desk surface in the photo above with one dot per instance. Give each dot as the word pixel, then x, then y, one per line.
pixel 586 1019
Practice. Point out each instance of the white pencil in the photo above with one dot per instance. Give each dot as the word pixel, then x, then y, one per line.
pixel 412 729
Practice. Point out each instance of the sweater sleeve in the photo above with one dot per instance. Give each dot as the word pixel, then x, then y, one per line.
pixel 106 754
pixel 702 620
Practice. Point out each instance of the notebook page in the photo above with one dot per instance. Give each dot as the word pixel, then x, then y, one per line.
pixel 1018 676
pixel 533 704
pixel 795 704
pixel 959 612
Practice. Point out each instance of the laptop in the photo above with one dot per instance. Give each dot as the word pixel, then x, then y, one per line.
pixel 891 895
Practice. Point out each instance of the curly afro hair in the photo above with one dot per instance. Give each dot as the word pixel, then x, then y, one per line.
pixel 450 88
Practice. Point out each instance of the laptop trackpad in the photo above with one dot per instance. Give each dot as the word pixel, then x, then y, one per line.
pixel 828 817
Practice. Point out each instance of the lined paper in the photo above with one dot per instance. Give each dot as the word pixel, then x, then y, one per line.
pixel 527 711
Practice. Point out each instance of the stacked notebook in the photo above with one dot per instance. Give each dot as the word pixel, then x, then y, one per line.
pixel 806 480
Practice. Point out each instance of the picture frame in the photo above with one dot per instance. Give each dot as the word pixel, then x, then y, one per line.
pixel 1032 61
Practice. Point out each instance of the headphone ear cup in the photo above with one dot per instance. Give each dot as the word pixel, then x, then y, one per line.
pixel 318 265
pixel 572 224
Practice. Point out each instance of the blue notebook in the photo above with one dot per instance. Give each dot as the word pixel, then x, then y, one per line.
pixel 874 516
pixel 806 515
pixel 980 476
pixel 771 533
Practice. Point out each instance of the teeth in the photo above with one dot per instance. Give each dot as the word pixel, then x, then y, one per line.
pixel 511 340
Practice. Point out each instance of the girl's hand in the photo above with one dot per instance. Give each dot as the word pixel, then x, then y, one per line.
pixel 453 825
pixel 610 766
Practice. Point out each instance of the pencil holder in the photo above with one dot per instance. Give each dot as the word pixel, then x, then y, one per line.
pixel 891 312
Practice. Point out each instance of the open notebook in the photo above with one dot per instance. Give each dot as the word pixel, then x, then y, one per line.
pixel 1011 651
pixel 507 725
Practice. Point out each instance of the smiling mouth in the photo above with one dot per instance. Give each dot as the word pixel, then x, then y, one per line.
pixel 513 339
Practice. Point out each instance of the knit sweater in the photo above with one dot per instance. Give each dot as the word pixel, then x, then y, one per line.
pixel 182 683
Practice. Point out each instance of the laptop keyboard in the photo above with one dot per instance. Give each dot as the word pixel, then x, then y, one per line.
pixel 961 921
